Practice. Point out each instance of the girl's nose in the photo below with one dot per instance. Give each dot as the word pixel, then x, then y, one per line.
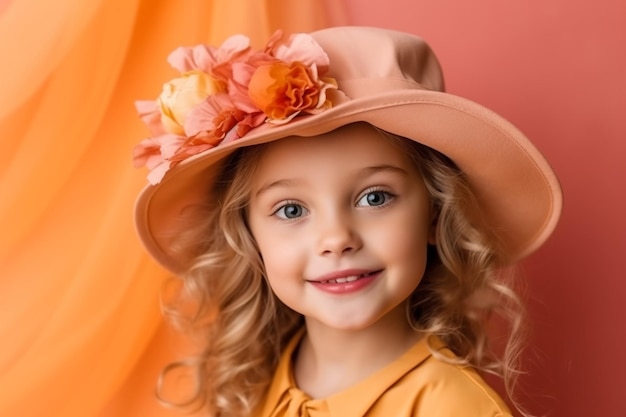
pixel 337 235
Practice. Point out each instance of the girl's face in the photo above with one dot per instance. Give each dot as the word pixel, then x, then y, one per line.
pixel 342 222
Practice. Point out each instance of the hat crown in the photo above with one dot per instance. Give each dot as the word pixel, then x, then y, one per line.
pixel 369 61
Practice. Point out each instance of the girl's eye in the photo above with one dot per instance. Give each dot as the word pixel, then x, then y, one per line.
pixel 374 198
pixel 290 211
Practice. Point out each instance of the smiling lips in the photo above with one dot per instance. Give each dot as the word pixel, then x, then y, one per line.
pixel 343 282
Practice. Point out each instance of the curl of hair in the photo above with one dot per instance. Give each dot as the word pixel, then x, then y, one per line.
pixel 239 323
pixel 466 281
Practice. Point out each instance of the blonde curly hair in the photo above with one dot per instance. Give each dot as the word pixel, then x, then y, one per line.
pixel 241 327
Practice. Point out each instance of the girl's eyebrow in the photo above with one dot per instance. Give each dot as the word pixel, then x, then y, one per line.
pixel 381 168
pixel 367 171
pixel 279 183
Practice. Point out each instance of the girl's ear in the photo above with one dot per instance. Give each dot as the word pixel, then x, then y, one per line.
pixel 432 231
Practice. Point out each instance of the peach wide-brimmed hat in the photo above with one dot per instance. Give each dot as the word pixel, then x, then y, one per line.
pixel 311 84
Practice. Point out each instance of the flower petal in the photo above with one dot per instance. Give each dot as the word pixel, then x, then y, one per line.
pixel 156 175
pixel 232 47
pixel 150 114
pixel 301 47
pixel 170 144
pixel 238 86
pixel 201 120
pixel 147 153
pixel 190 150
pixel 199 57
pixel 273 41
pixel 249 122
pixel 205 58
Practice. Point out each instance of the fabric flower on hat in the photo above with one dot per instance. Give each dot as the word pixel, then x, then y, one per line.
pixel 224 92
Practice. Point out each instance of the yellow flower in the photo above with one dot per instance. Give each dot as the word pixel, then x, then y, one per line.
pixel 182 94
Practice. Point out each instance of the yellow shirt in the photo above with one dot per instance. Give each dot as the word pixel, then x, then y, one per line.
pixel 416 384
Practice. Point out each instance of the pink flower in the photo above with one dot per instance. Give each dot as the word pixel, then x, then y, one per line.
pixel 150 114
pixel 245 125
pixel 190 147
pixel 301 47
pixel 147 153
pixel 155 153
pixel 205 58
pixel 218 115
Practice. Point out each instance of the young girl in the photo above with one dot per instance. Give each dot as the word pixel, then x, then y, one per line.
pixel 341 225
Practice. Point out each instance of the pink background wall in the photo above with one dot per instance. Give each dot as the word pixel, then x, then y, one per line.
pixel 557 69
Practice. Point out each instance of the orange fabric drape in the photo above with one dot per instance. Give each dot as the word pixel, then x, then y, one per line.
pixel 80 324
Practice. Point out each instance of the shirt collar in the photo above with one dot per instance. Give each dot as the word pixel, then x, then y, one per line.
pixel 285 399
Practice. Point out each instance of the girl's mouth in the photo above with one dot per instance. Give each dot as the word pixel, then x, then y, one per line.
pixel 350 278
pixel 346 282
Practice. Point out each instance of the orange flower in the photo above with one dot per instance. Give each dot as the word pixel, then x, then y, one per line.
pixel 282 90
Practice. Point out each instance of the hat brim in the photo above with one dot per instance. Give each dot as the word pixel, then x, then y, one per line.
pixel 516 189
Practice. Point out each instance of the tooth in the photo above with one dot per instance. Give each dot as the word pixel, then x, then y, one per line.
pixel 351 278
